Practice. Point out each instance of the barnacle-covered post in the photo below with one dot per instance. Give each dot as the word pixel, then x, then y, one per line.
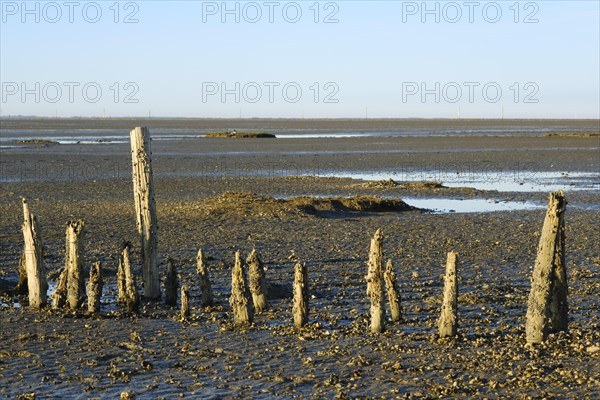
pixel 37 285
pixel 375 284
pixel 240 300
pixel 448 321
pixel 393 295
pixel 300 306
pixel 547 307
pixel 94 288
pixel 258 282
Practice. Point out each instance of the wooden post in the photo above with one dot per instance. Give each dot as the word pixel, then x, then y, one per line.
pixel 121 281
pixel 145 209
pixel 171 284
pixel 37 285
pixel 448 321
pixel 375 284
pixel 74 264
pixel 21 286
pixel 132 299
pixel 59 297
pixel 559 307
pixel 300 307
pixel 185 302
pixel 547 308
pixel 205 286
pixel 94 288
pixel 240 300
pixel 393 294
pixel 258 283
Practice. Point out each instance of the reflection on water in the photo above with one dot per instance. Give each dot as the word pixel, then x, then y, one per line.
pixel 502 181
pixel 89 140
pixel 449 205
pixel 469 205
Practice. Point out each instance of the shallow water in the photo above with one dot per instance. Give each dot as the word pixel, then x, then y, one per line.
pixel 119 136
pixel 449 205
pixel 502 181
pixel 470 205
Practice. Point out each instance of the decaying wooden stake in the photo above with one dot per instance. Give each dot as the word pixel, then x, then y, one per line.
pixel 375 284
pixel 258 282
pixel 393 295
pixel 300 306
pixel 448 321
pixel 21 286
pixel 74 264
pixel 547 308
pixel 185 302
pixel 559 306
pixel 131 298
pixel 121 281
pixel 94 288
pixel 171 284
pixel 59 297
pixel 240 300
pixel 37 285
pixel 145 209
pixel 206 298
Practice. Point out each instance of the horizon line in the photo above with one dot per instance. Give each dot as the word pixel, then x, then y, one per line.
pixel 24 117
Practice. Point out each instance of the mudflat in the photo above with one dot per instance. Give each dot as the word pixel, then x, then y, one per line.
pixel 225 194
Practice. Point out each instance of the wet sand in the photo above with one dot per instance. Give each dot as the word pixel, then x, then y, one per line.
pixel 154 355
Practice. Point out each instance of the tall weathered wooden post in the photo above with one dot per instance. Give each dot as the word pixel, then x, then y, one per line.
pixel 36 274
pixel 448 322
pixel 375 284
pixel 74 264
pixel 547 308
pixel 145 209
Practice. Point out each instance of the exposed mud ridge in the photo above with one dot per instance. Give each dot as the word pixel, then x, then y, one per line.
pixel 250 203
pixel 390 183
pixel 36 141
pixel 240 135
pixel 349 204
pixel 577 134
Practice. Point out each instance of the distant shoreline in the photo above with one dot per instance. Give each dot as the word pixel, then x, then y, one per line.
pixel 281 124
pixel 35 117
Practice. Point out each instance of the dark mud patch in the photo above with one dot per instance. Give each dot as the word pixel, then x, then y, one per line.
pixel 6 286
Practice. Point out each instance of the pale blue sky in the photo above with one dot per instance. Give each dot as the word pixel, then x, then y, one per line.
pixel 376 59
